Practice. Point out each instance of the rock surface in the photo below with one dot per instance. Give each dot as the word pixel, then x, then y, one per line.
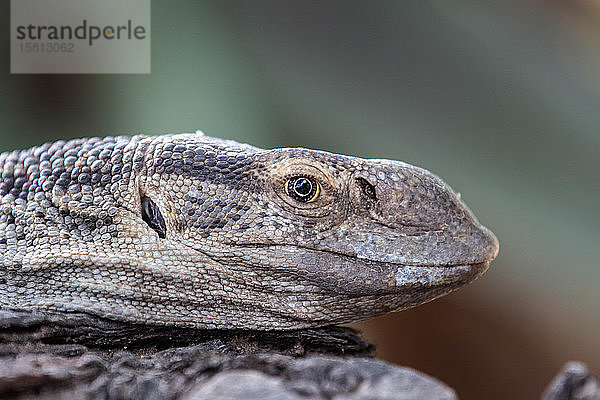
pixel 84 357
pixel 574 382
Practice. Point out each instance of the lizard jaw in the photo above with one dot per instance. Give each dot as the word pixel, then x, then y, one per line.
pixel 430 276
pixel 340 273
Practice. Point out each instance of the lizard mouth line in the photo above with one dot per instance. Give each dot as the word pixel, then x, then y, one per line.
pixel 475 265
pixel 363 277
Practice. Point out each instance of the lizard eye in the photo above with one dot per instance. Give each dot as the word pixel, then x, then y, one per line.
pixel 302 188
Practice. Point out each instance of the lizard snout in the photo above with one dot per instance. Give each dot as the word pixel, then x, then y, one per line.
pixel 415 218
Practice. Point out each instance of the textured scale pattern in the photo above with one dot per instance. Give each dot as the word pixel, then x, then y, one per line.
pixel 238 251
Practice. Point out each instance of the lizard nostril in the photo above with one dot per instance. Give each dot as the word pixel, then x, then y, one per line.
pixel 367 188
pixel 153 217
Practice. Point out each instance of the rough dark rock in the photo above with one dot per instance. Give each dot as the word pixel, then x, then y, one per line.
pixel 46 356
pixel 74 334
pixel 573 382
pixel 320 377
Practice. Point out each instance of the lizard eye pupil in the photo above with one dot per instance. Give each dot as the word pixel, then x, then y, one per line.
pixel 302 188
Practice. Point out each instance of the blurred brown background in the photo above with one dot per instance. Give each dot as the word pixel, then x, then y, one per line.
pixel 500 98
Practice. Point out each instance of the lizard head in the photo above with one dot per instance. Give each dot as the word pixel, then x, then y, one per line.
pixel 301 237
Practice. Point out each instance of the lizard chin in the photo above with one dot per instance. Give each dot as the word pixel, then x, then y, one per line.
pixel 439 276
pixel 420 282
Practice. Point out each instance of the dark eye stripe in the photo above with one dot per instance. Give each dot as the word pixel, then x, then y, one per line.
pixel 302 188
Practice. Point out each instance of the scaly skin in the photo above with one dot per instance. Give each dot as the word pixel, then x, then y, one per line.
pixel 188 230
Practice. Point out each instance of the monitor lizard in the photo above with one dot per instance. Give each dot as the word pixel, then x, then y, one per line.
pixel 192 231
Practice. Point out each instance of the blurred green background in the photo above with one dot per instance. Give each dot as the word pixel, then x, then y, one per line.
pixel 501 99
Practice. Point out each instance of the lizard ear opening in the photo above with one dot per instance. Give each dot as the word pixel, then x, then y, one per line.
pixel 152 216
